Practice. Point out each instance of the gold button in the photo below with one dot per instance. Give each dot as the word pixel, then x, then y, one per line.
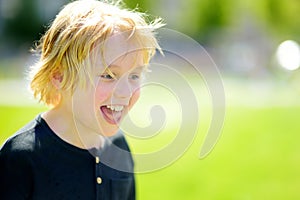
pixel 97 159
pixel 99 180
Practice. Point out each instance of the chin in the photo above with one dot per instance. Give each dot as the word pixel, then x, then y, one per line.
pixel 110 131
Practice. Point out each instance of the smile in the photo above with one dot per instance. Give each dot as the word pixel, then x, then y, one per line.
pixel 112 113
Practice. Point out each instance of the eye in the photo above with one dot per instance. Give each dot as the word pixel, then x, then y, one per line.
pixel 135 77
pixel 106 76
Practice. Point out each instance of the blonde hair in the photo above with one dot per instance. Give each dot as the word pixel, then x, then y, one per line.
pixel 76 30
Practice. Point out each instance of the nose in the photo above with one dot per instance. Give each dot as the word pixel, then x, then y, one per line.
pixel 123 89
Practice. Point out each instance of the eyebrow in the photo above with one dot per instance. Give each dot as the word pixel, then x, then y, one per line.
pixel 138 68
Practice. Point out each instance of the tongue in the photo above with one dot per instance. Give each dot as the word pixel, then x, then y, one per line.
pixel 112 117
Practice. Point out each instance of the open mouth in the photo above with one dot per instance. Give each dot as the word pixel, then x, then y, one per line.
pixel 112 113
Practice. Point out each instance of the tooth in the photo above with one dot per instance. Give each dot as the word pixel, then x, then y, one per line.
pixel 118 108
pixel 115 108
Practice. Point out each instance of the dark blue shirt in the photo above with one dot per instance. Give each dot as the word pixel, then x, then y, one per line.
pixel 36 164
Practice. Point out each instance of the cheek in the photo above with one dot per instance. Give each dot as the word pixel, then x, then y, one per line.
pixel 102 92
pixel 135 96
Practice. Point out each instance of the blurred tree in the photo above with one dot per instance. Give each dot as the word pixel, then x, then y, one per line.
pixel 283 17
pixel 25 24
pixel 201 19
pixel 145 6
pixel 280 17
pixel 205 18
pixel 142 5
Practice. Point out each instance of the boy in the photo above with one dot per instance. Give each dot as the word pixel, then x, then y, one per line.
pixel 92 60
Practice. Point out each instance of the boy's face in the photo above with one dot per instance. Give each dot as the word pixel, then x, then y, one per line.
pixel 101 108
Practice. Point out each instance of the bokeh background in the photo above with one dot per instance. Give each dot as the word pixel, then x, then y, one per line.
pixel 254 43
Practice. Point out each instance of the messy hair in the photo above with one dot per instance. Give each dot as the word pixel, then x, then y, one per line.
pixel 76 30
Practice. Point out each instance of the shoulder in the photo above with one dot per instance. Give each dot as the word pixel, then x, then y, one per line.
pixel 22 141
pixel 16 164
pixel 18 152
pixel 120 141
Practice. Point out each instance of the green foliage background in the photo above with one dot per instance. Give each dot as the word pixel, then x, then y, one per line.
pixel 205 18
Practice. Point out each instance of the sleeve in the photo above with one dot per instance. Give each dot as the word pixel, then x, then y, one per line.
pixel 15 175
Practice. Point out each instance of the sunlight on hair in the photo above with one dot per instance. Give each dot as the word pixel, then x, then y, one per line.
pixel 288 55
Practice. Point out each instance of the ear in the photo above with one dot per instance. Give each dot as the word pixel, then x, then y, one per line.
pixel 56 80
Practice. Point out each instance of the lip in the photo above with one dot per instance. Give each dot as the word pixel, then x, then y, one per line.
pixel 112 117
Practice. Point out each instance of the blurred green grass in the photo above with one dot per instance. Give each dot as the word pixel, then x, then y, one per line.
pixel 13 117
pixel 257 157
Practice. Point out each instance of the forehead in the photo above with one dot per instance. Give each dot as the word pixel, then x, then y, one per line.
pixel 120 48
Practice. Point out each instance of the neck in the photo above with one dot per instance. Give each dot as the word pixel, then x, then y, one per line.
pixel 63 125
